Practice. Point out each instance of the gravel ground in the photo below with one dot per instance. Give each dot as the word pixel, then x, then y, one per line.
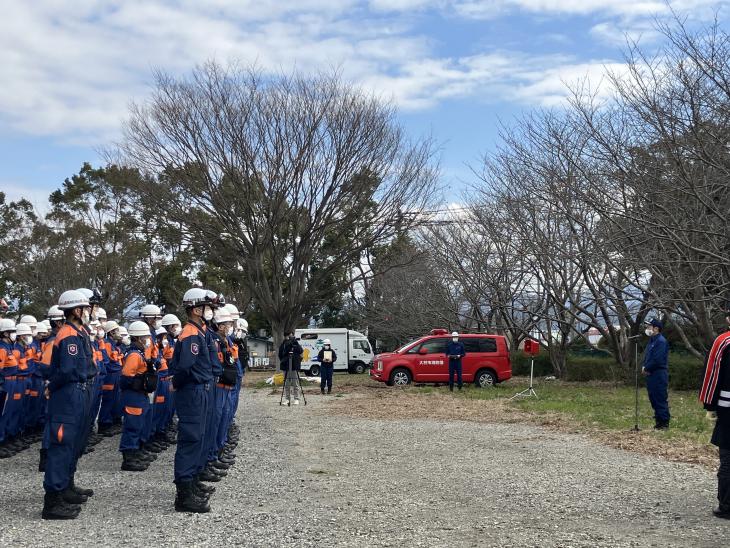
pixel 307 477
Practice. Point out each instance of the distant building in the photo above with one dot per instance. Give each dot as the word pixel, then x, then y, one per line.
pixel 261 351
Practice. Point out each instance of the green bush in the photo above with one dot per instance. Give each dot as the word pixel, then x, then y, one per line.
pixel 685 372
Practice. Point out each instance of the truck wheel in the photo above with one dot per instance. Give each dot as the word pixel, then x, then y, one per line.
pixel 485 379
pixel 314 371
pixel 358 368
pixel 400 377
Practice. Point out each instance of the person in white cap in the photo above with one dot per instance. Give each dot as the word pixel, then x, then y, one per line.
pixel 327 358
pixel 455 352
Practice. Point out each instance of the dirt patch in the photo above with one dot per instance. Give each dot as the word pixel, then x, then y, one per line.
pixel 389 404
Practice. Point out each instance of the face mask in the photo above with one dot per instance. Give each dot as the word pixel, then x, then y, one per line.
pixel 126 340
pixel 165 344
pixel 229 331
pixel 13 337
pixel 207 314
pixel 147 343
pixel 85 317
pixel 28 339
pixel 158 324
pixel 100 333
pixel 649 332
pixel 176 331
pixel 455 339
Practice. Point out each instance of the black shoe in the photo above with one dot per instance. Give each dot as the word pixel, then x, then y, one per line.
pixel 227 460
pixel 207 489
pixel 88 449
pixel 153 447
pixel 217 471
pixel 95 439
pixel 132 464
pixel 723 514
pixel 6 452
pixel 220 465
pixel 207 475
pixel 171 437
pixel 661 426
pixel 81 490
pixel 186 501
pixel 106 430
pixel 54 507
pixel 143 454
pixel 72 497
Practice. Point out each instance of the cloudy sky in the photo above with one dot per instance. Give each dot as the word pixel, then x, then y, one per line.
pixel 69 68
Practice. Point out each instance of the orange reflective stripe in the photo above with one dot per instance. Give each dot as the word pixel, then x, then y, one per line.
pixel 59 434
pixel 136 411
pixel 160 399
pixel 17 396
pixel 107 387
pixel 34 393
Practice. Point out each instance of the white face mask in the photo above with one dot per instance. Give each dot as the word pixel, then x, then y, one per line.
pixel 13 337
pixel 649 332
pixel 158 324
pixel 165 344
pixel 28 339
pixel 229 331
pixel 100 333
pixel 176 331
pixel 85 317
pixel 207 314
pixel 126 340
pixel 147 343
pixel 455 339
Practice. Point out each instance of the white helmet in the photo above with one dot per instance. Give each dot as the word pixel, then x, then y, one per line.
pixel 160 331
pixel 55 314
pixel 29 320
pixel 170 319
pixel 88 293
pixel 327 342
pixel 195 297
pixel 94 323
pixel 46 323
pixel 110 326
pixel 23 329
pixel 454 334
pixel 139 329
pixel 222 315
pixel 150 311
pixel 232 310
pixel 42 329
pixel 123 331
pixel 72 299
pixel 6 324
pixel 242 324
pixel 101 314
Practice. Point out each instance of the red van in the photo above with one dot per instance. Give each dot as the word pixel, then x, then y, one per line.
pixel 424 360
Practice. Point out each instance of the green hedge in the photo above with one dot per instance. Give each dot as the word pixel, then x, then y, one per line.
pixel 685 372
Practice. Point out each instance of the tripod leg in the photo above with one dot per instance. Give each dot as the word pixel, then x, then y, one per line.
pixel 301 390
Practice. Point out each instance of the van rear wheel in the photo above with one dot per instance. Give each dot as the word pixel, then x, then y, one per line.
pixel 358 368
pixel 314 371
pixel 400 377
pixel 485 379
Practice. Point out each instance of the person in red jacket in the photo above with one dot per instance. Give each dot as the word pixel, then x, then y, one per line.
pixel 715 396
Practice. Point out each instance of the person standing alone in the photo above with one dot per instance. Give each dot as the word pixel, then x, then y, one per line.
pixel 327 358
pixel 656 371
pixel 455 352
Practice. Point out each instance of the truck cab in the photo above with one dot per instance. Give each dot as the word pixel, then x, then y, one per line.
pixel 354 353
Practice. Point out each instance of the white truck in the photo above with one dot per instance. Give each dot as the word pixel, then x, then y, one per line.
pixel 353 350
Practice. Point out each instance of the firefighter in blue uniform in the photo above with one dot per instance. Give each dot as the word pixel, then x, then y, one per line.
pixel 192 375
pixel 8 389
pixel 68 402
pixel 110 412
pixel 455 352
pixel 656 371
pixel 172 326
pixel 715 396
pixel 138 381
pixel 151 315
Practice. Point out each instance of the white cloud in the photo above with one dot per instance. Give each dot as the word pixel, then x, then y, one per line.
pixel 70 68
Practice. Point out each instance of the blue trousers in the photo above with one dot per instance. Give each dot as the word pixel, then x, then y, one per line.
pixel 218 399
pixel 191 402
pixel 12 419
pixel 454 369
pixel 35 403
pixel 161 408
pixel 228 395
pixel 656 386
pixel 66 420
pixel 325 376
pixel 3 397
pixel 136 407
pixel 111 399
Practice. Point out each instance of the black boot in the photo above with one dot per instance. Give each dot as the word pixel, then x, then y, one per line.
pixel 218 465
pixel 186 501
pixel 42 460
pixel 72 497
pixel 54 507
pixel 130 462
pixel 217 471
pixel 5 451
pixel 81 490
pixel 208 489
pixel 723 497
pixel 208 475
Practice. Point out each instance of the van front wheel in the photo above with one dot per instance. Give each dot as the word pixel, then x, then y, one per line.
pixel 400 377
pixel 314 371
pixel 485 379
pixel 358 368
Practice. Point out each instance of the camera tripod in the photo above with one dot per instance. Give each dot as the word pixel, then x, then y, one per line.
pixel 291 381
pixel 527 392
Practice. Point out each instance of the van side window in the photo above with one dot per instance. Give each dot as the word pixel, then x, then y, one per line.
pixel 471 345
pixel 487 345
pixel 309 337
pixel 435 346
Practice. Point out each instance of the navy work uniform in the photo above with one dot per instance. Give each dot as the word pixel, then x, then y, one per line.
pixel 135 401
pixel 327 358
pixel 455 352
pixel 656 365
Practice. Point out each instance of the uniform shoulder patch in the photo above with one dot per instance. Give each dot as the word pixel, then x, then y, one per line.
pixel 194 348
pixel 73 349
